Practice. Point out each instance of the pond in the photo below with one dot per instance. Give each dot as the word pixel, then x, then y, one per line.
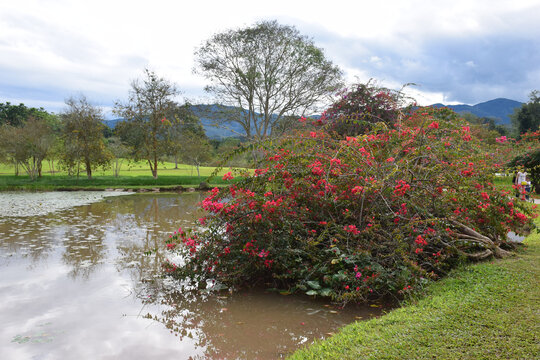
pixel 78 282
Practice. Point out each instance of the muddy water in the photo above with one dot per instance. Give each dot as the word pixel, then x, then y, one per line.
pixel 78 283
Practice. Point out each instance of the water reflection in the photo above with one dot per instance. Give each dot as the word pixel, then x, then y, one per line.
pixel 85 273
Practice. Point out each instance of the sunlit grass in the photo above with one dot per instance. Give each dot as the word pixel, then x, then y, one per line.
pixel 132 175
pixel 483 311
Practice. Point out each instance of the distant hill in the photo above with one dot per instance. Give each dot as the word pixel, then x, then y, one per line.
pixel 209 115
pixel 499 109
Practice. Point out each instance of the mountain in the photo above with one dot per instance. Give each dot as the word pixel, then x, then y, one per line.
pixel 499 109
pixel 209 115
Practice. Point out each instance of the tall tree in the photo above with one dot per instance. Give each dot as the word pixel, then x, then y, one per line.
pixel 145 127
pixel 527 118
pixel 83 135
pixel 267 71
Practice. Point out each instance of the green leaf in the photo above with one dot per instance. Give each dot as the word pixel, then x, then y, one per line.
pixel 311 292
pixel 325 292
pixel 314 284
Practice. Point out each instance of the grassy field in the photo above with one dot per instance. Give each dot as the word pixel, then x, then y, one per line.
pixel 484 311
pixel 134 175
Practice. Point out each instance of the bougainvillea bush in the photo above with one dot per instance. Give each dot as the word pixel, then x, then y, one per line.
pixel 355 217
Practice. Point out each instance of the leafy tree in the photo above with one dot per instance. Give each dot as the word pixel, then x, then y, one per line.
pixel 266 71
pixel 83 135
pixel 119 153
pixel 527 118
pixel 196 149
pixel 361 106
pixel 182 122
pixel 27 145
pixel 145 129
pixel 529 157
pixel 16 115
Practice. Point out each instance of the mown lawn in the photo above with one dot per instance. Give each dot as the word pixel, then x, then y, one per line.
pixel 136 175
pixel 483 311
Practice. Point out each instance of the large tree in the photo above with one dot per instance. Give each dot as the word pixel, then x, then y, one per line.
pixel 83 135
pixel 267 71
pixel 527 117
pixel 145 128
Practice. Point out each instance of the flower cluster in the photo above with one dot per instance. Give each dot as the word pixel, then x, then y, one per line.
pixel 357 216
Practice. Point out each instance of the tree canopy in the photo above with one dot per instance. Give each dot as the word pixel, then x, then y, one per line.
pixel 145 129
pixel 267 71
pixel 83 135
pixel 527 118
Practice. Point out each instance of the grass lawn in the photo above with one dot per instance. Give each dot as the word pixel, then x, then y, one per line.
pixel 486 311
pixel 133 175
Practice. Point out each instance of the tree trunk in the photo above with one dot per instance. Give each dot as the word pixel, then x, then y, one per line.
pixel 88 170
pixel 176 161
pixel 198 173
pixel 154 170
pixel 39 165
pixel 16 168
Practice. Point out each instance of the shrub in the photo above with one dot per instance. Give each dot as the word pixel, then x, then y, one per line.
pixel 355 217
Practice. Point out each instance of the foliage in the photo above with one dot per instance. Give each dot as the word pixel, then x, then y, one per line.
pixel 529 158
pixel 363 105
pixel 356 217
pixel 27 145
pixel 184 125
pixel 119 153
pixel 145 128
pixel 527 118
pixel 196 149
pixel 17 115
pixel 270 70
pixel 83 136
pixel 482 311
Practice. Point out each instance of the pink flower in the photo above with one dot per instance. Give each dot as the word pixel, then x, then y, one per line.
pixel 501 139
pixel 433 125
pixel 390 159
pixel 228 176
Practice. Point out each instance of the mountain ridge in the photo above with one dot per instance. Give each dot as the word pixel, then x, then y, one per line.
pixel 499 109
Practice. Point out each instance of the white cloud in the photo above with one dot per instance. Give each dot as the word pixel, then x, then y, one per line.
pixel 98 47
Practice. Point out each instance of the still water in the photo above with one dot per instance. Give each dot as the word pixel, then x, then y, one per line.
pixel 77 283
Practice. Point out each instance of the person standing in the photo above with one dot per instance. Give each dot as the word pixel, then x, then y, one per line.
pixel 521 177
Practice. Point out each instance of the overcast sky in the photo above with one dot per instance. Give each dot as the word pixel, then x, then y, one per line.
pixel 455 51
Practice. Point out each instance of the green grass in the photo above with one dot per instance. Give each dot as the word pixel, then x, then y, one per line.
pixel 483 311
pixel 136 175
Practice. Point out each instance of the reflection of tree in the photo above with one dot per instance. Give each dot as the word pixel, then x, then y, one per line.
pixel 153 218
pixel 30 234
pixel 83 243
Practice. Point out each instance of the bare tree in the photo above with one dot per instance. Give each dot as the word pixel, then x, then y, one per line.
pixel 267 71
pixel 144 129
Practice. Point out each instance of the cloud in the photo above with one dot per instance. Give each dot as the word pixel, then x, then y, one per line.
pixel 463 69
pixel 460 51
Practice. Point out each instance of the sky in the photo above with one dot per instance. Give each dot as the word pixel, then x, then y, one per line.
pixel 454 52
